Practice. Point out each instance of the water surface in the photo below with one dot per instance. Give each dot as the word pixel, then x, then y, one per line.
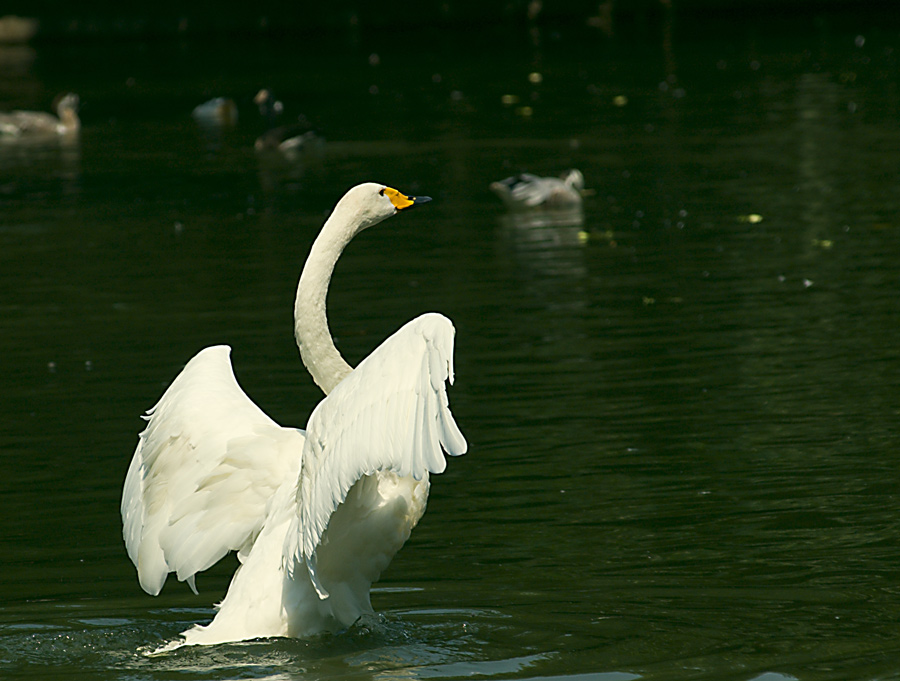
pixel 682 412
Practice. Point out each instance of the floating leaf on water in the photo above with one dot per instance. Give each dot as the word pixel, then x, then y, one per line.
pixel 752 218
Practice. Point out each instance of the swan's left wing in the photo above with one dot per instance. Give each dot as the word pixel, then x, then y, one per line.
pixel 390 413
pixel 203 473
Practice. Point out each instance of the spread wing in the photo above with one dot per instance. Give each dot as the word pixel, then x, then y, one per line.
pixel 203 473
pixel 390 413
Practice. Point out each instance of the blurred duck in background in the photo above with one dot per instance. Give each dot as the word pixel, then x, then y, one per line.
pixel 527 191
pixel 269 107
pixel 20 125
pixel 16 30
pixel 291 139
pixel 217 112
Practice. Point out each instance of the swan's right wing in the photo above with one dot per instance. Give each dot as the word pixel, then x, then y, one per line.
pixel 390 413
pixel 203 473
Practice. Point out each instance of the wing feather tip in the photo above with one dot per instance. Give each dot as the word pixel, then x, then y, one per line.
pixel 314 577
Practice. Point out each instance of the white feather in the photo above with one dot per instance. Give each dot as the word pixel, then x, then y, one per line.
pixel 202 474
pixel 390 414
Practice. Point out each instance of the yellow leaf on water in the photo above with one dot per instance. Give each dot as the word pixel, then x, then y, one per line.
pixel 752 218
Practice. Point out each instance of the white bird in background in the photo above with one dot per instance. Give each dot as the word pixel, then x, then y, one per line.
pixel 527 191
pixel 315 516
pixel 15 125
pixel 217 112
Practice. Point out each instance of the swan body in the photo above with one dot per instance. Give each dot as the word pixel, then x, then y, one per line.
pixel 527 191
pixel 315 516
pixel 36 124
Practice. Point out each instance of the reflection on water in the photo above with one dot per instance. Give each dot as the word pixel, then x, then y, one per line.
pixel 547 242
pixel 818 106
pixel 34 168
pixel 681 400
pixel 16 60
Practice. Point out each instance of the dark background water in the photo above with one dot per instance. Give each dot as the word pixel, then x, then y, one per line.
pixel 682 413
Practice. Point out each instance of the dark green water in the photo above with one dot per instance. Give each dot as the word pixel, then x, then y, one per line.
pixel 683 419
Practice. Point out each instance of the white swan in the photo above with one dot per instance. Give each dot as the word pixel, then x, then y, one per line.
pixel 315 516
pixel 33 124
pixel 527 191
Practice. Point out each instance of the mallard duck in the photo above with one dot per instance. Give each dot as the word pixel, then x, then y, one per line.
pixel 34 124
pixel 288 139
pixel 526 191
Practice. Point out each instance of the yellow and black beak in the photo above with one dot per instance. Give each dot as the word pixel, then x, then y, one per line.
pixel 402 201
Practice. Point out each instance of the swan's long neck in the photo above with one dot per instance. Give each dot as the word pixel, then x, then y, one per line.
pixel 317 348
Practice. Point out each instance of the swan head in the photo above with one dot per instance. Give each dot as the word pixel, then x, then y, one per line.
pixel 363 206
pixel 368 204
